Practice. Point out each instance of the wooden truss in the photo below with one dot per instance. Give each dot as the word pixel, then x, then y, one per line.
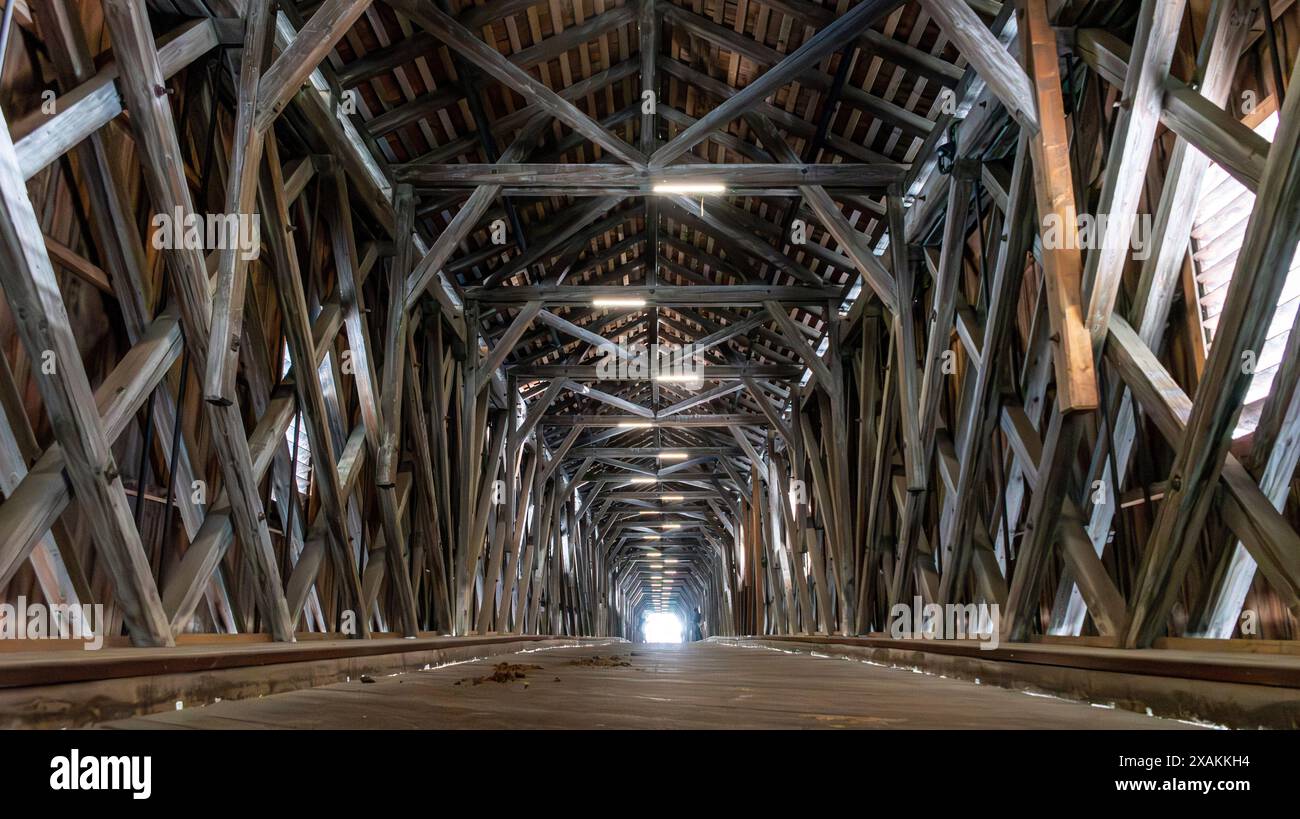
pixel 424 404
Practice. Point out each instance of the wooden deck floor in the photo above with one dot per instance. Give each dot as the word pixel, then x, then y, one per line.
pixel 697 685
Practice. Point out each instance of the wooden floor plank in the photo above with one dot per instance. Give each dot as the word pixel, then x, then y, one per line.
pixel 694 685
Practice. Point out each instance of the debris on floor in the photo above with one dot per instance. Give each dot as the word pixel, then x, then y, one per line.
pixel 502 673
pixel 601 662
pixel 366 679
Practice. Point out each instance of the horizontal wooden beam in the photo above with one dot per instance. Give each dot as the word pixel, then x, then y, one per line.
pixel 635 422
pixel 649 451
pixel 732 295
pixel 708 372
pixel 40 139
pixel 618 177
pixel 658 495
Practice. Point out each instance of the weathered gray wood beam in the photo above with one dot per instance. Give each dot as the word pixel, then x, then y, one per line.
pixel 710 372
pixel 610 399
pixel 748 243
pixel 764 55
pixel 1130 151
pixel 635 421
pixel 554 237
pixel 40 139
pixel 1196 117
pixel 117 238
pixel 1215 132
pixel 493 63
pixel 155 133
pixel 702 398
pixel 620 177
pixel 670 295
pixel 315 40
pixel 426 271
pixel 648 452
pixel 991 61
pixel 1266 253
pixel 339 216
pixel 1268 536
pixel 873 42
pixel 843 30
pixel 795 338
pixel 1158 285
pixel 905 357
pixel 241 193
pixel 926 409
pixel 297 330
pixel 854 244
pixel 42 320
pixel 506 344
pixel 184 586
pixel 980 410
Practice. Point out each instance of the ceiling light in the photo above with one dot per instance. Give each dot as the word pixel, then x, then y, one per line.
pixel 617 302
pixel 680 378
pixel 673 456
pixel 689 187
pixel 672 498
pixel 643 480
pixel 633 424
pixel 651 537
pixel 671 525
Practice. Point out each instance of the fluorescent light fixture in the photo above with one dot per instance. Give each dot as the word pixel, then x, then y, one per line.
pixel 653 553
pixel 617 302
pixel 679 378
pixel 643 480
pixel 672 498
pixel 673 456
pixel 656 565
pixel 671 525
pixel 689 187
pixel 650 512
pixel 651 537
pixel 633 424
pixel 671 560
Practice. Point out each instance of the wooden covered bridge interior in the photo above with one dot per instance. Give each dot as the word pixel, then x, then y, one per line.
pixel 364 336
